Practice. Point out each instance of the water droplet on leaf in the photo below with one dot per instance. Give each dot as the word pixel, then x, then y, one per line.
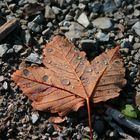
pixel 45 78
pixel 49 50
pixel 65 82
pixel 26 72
pixel 88 70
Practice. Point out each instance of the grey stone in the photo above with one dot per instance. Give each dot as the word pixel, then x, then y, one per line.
pixel 28 38
pixel 17 48
pixel 81 6
pixel 38 19
pixel 109 6
pixel 75 31
pixel 49 14
pixel 118 2
pixel 5 85
pixel 32 1
pixel 34 57
pixel 136 28
pixel 136 46
pixel 56 10
pixel 87 129
pixel 95 6
pixel 137 57
pixel 50 129
pixel 35 27
pixel 102 23
pixel 102 36
pixel 34 117
pixel 1 78
pixel 3 49
pixel 83 19
pixel 136 13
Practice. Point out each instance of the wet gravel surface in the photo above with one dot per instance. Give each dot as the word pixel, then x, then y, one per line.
pixel 92 26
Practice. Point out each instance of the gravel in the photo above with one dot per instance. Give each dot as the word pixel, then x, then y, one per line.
pixel 93 26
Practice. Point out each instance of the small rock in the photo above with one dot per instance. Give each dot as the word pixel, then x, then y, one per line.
pixel 95 6
pixel 137 57
pixel 136 28
pixel 35 27
pixel 87 129
pixel 50 129
pixel 81 6
pixel 124 50
pixel 34 57
pixel 28 38
pixel 102 36
pixel 102 23
pixel 136 46
pixel 109 6
pixel 49 14
pixel 17 48
pixel 5 85
pixel 3 49
pixel 1 78
pixel 136 13
pixel 83 19
pixel 34 117
pixel 56 10
pixel 75 31
pixel 38 19
pixel 1 100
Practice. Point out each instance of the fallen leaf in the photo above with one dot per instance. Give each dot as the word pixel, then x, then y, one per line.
pixel 68 79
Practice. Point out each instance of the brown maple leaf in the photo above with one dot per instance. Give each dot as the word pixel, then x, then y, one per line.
pixel 68 79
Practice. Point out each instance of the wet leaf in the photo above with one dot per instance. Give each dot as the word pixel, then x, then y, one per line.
pixel 68 79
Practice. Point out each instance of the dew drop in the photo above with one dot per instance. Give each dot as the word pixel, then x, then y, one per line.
pixel 79 57
pixel 49 50
pixel 49 62
pixel 117 61
pixel 65 82
pixel 89 70
pixel 45 78
pixel 26 72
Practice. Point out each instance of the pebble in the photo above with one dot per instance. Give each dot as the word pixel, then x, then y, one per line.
pixel 34 117
pixel 95 6
pixel 75 31
pixel 38 19
pixel 1 78
pixel 5 85
pixel 35 27
pixel 83 20
pixel 49 14
pixel 136 28
pixel 109 6
pixel 3 49
pixel 102 23
pixel 102 36
pixel 27 38
pixel 56 10
pixel 17 48
pixel 50 129
pixel 34 58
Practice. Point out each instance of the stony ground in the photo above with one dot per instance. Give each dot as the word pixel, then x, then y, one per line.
pixel 92 26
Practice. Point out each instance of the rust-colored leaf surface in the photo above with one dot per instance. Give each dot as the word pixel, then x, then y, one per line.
pixel 68 79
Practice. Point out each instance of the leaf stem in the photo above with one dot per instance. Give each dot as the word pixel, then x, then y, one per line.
pixel 89 118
